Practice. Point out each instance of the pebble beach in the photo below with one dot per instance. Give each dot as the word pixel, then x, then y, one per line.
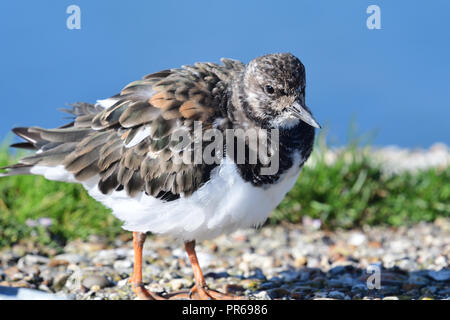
pixel 285 261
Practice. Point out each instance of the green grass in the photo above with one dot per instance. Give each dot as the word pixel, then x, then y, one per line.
pixel 354 191
pixel 26 199
pixel 351 192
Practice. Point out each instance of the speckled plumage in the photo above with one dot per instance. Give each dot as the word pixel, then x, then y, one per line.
pixel 120 148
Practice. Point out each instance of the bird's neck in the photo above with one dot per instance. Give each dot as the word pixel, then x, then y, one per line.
pixel 241 113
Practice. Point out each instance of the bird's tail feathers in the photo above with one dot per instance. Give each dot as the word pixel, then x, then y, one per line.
pixel 51 145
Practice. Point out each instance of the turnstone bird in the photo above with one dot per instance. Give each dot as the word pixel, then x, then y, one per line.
pixel 123 151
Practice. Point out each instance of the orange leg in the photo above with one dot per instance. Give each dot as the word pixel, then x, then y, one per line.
pixel 136 278
pixel 200 291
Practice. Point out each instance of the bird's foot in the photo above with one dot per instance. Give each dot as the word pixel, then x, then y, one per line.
pixel 202 293
pixel 143 294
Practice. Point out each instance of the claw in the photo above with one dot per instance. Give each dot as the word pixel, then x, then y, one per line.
pixel 143 294
pixel 203 293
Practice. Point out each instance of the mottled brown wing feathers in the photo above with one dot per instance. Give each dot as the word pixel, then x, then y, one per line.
pixel 128 144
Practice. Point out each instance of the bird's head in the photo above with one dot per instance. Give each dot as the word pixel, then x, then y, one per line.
pixel 272 91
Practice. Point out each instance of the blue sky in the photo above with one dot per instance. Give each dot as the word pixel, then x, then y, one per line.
pixel 394 80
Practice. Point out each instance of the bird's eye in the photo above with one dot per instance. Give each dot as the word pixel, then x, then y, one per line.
pixel 269 89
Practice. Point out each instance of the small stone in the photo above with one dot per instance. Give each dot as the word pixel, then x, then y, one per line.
pixel 336 295
pixel 95 280
pixel 304 275
pixel 234 288
pixel 239 236
pixel 217 275
pixel 359 288
pixel 114 296
pixel 43 287
pixel 18 276
pixel 300 261
pixel 441 275
pixel 155 287
pixel 357 239
pixel 18 284
pixel 445 292
pixel 123 282
pixel 206 259
pixel 297 296
pixel 71 258
pixel 389 279
pixel 262 295
pixel 278 293
pixel 58 262
pixel 339 270
pixel 375 244
pixel 257 274
pixel 410 286
pixel 288 276
pixel 256 260
pixel 391 298
pixel 11 270
pixel 177 284
pixel 321 295
pixel 122 264
pixel 107 256
pixel 334 283
pixel 60 281
pixel 441 260
pixel 413 292
pixel 429 290
pixel 313 262
pixel 390 290
pixel 30 260
pixel 407 264
pixel 302 289
pixel 317 282
pixel 251 284
pixel 95 288
pixel 268 285
pixel 414 282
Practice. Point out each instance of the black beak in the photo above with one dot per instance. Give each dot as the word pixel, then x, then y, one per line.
pixel 300 112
